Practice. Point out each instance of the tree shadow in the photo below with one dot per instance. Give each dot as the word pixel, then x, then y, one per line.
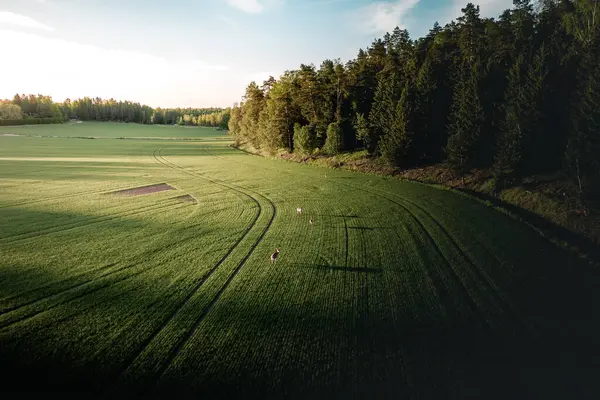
pixel 337 215
pixel 325 267
pixel 561 233
pixel 370 228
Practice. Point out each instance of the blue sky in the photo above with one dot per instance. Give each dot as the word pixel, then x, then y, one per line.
pixel 196 53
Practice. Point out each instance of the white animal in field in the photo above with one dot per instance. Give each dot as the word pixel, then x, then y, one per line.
pixel 310 221
pixel 299 210
pixel 274 256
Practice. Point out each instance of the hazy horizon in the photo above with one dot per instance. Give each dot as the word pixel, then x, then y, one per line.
pixel 188 53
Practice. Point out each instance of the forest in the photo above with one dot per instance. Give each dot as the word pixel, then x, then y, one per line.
pixel 42 109
pixel 518 95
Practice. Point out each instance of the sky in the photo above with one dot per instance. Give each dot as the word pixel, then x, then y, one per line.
pixel 192 53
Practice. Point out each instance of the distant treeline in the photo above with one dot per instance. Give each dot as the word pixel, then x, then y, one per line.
pixel 31 110
pixel 217 117
pixel 519 95
pixel 41 108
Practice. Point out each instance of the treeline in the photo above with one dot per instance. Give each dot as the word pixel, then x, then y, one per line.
pixel 42 109
pixel 519 95
pixel 97 109
pixel 216 117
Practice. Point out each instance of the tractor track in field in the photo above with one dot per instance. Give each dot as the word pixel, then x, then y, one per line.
pixel 47 199
pixel 482 276
pixel 473 269
pixel 439 284
pixel 3 326
pixel 96 270
pixel 210 305
pixel 347 240
pixel 145 255
pixel 62 319
pixel 87 222
pixel 160 159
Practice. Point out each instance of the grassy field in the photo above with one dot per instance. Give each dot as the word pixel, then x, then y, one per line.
pixel 398 290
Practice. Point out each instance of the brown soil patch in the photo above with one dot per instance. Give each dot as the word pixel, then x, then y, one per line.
pixel 159 187
pixel 186 198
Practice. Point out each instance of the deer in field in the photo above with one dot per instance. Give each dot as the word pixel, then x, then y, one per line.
pixel 299 211
pixel 274 256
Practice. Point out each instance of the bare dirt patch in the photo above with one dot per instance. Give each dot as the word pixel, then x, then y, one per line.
pixel 138 191
pixel 186 198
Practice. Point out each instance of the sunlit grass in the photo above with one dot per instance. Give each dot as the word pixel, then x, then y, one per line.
pixel 394 286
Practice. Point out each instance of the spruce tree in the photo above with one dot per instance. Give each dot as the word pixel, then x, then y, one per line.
pixel 514 133
pixel 302 139
pixel 465 123
pixel 363 133
pixel 398 146
pixel 333 144
pixel 384 106
pixel 582 155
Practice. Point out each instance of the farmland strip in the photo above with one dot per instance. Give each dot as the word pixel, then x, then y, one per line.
pixel 83 223
pixel 158 157
pixel 193 328
pixel 144 254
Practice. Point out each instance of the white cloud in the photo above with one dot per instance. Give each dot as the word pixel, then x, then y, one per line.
pixel 381 17
pixel 249 6
pixel 227 20
pixel 84 70
pixel 11 18
pixel 254 6
pixel 317 3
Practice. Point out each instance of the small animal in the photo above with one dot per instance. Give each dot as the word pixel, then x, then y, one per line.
pixel 274 256
pixel 299 210
pixel 310 221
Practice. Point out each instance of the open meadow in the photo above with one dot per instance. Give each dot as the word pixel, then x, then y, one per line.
pixel 397 289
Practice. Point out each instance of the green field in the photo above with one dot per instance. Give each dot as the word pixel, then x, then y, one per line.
pixel 398 290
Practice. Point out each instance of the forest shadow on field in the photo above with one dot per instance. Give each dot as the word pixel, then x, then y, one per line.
pixel 44 235
pixel 585 244
pixel 321 350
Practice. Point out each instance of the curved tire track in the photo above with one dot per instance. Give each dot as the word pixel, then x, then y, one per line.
pixel 189 333
pixel 145 254
pixel 483 277
pixel 490 287
pixel 159 158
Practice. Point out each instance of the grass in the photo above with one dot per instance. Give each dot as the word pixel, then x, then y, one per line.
pixel 398 289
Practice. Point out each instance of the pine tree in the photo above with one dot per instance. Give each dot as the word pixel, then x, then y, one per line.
pixel 465 123
pixel 582 154
pixel 384 106
pixel 522 148
pixel 303 143
pixel 514 134
pixel 363 133
pixel 333 144
pixel 398 146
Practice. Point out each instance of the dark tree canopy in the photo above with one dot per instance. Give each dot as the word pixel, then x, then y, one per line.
pixel 519 94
